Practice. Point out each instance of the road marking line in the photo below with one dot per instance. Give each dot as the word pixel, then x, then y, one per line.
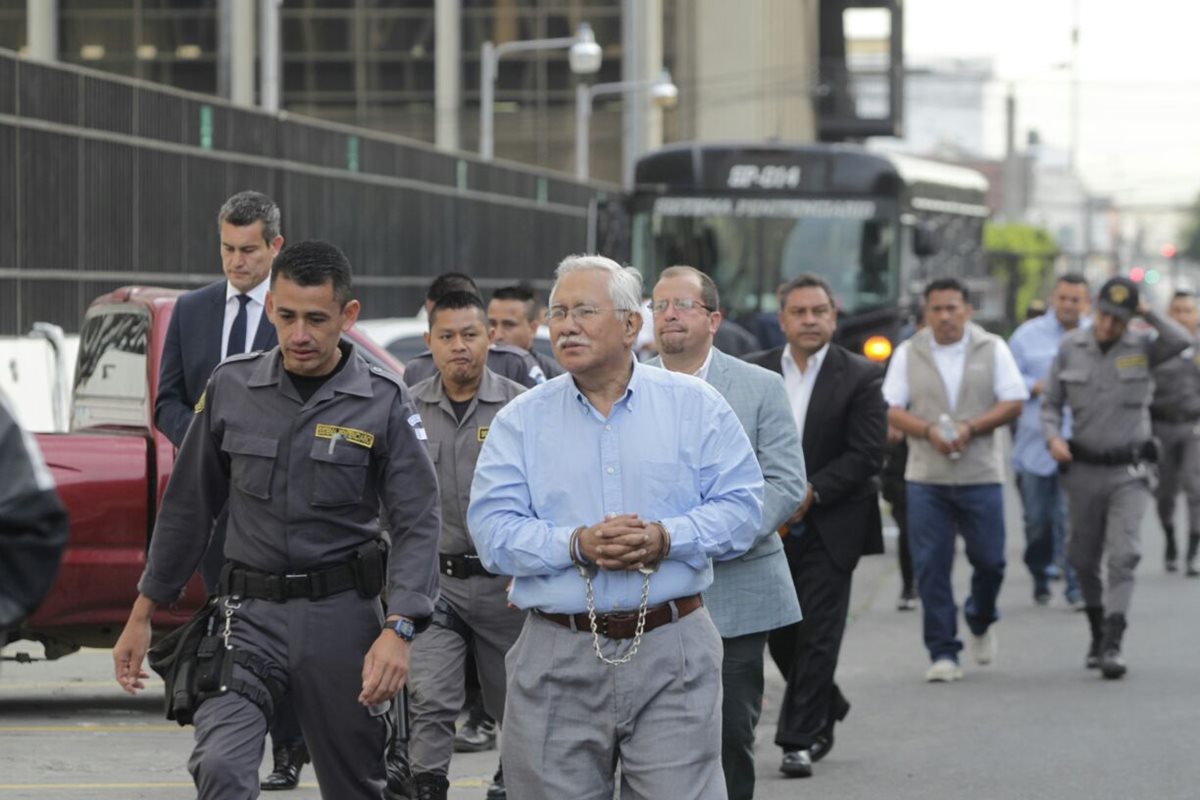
pixel 461 783
pixel 85 728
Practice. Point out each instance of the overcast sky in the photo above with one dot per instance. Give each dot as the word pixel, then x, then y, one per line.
pixel 1139 89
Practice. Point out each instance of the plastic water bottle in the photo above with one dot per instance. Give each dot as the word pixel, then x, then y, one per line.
pixel 949 432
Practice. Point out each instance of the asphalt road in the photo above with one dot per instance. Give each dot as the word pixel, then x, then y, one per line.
pixel 1035 724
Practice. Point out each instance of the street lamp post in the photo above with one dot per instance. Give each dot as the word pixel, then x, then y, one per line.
pixel 585 57
pixel 662 90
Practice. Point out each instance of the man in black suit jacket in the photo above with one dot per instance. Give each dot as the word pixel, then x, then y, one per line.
pixel 199 334
pixel 207 325
pixel 838 406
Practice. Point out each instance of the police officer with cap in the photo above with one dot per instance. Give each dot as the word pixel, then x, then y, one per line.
pixel 1103 374
pixel 310 446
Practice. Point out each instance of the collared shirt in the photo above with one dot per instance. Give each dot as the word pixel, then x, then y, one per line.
pixel 800 384
pixel 702 373
pixel 950 359
pixel 671 449
pixel 1034 345
pixel 1108 391
pixel 254 313
pixel 306 482
pixel 454 446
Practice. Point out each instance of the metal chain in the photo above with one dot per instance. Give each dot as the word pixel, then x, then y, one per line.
pixel 641 620
pixel 231 605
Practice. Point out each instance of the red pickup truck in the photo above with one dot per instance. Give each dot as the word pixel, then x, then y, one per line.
pixel 111 470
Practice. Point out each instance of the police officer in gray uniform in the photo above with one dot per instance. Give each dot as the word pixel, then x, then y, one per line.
pixel 457 406
pixel 1104 375
pixel 308 444
pixel 1175 413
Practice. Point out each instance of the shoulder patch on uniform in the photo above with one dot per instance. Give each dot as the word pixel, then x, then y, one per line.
pixel 200 402
pixel 415 423
pixel 1133 361
pixel 352 435
pixel 481 432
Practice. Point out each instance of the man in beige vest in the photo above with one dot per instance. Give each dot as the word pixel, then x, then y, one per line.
pixel 948 388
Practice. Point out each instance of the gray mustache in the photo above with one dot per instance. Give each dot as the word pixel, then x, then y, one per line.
pixel 567 339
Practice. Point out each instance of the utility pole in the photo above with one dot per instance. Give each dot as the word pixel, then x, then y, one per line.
pixel 41 29
pixel 447 72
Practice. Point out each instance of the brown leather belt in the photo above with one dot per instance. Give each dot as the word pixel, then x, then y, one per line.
pixel 623 625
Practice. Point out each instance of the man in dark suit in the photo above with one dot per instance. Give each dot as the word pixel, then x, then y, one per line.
pixel 208 324
pixel 838 407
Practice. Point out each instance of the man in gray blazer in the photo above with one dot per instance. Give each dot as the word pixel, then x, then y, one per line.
pixel 751 594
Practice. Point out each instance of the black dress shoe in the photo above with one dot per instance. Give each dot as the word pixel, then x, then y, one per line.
pixel 429 786
pixel 399 771
pixel 496 790
pixel 286 774
pixel 796 764
pixel 822 743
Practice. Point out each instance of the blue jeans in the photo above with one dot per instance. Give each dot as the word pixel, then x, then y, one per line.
pixel 935 513
pixel 1045 529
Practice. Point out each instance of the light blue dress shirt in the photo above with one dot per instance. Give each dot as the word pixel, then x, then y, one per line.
pixel 671 450
pixel 1034 345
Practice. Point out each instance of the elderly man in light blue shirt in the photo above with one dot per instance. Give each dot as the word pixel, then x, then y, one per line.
pixel 606 493
pixel 1034 345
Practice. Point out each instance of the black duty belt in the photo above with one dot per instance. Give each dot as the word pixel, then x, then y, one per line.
pixel 364 572
pixel 1173 417
pixel 1117 457
pixel 462 566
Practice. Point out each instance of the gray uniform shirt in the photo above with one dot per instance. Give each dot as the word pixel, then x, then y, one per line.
pixel 509 362
pixel 455 446
pixel 305 482
pixel 1177 387
pixel 1109 393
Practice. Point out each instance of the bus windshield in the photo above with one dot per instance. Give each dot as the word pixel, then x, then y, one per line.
pixel 749 246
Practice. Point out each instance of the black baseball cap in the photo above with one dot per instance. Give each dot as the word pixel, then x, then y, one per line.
pixel 1119 297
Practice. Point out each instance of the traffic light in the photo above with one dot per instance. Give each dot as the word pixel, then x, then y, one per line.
pixel 1137 274
pixel 1168 251
pixel 1152 277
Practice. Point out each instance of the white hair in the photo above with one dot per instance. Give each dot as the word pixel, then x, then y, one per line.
pixel 624 283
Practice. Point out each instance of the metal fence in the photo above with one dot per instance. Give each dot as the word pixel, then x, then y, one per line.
pixel 106 181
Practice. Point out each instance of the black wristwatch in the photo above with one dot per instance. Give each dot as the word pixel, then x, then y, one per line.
pixel 404 627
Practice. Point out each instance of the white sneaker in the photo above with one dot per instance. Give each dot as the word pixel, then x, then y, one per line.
pixel 984 647
pixel 944 670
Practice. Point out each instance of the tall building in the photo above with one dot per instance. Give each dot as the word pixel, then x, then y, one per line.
pixel 753 70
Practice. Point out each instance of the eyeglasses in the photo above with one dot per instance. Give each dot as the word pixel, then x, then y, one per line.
pixel 682 305
pixel 580 314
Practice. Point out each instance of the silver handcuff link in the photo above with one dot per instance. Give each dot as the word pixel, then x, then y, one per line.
pixel 587 574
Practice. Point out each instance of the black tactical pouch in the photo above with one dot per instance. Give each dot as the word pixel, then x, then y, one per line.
pixel 368 567
pixel 174 658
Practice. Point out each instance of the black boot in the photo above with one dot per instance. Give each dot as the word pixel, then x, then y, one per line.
pixel 496 790
pixel 1095 615
pixel 1193 545
pixel 429 786
pixel 399 771
pixel 286 774
pixel 1112 664
pixel 1171 557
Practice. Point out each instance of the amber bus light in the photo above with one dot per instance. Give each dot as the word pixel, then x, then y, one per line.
pixel 877 348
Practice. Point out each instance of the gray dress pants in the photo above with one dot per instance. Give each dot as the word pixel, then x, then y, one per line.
pixel 571 719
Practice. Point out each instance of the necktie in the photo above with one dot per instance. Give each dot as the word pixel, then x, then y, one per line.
pixel 237 334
